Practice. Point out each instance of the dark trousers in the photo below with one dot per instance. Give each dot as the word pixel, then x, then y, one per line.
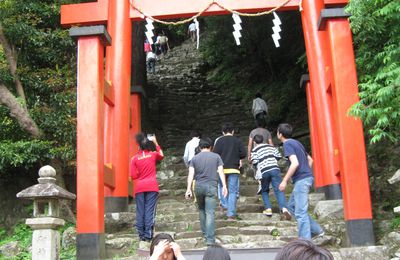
pixel 151 66
pixel 164 48
pixel 146 204
pixel 260 117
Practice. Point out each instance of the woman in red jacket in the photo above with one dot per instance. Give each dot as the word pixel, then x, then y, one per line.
pixel 143 173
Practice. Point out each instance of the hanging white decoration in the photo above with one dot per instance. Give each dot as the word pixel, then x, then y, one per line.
pixel 197 32
pixel 277 29
pixel 149 33
pixel 237 27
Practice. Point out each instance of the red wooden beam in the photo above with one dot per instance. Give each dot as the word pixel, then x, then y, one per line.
pixel 316 153
pixel 85 13
pixel 97 12
pixel 353 163
pixel 171 9
pixel 90 136
pixel 318 62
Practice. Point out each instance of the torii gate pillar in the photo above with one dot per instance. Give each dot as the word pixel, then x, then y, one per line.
pixel 318 65
pixel 353 161
pixel 118 71
pixel 90 135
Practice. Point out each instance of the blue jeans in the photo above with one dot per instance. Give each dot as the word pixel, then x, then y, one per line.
pixel 206 196
pixel 274 177
pixel 298 206
pixel 232 183
pixel 146 203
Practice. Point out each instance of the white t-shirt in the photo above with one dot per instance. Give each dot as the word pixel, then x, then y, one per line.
pixel 151 55
pixel 190 150
pixel 192 27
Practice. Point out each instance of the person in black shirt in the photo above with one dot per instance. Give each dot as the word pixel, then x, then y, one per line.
pixel 231 150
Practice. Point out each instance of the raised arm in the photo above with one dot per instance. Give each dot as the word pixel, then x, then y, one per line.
pixel 160 154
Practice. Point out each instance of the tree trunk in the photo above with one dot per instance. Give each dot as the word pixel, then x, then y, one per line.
pixel 18 112
pixel 11 57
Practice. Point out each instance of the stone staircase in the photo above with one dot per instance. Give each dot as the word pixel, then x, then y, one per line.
pixel 179 218
pixel 180 98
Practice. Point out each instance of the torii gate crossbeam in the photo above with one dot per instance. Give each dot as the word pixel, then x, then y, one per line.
pixel 331 91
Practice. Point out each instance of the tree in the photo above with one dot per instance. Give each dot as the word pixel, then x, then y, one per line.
pixel 37 84
pixel 375 24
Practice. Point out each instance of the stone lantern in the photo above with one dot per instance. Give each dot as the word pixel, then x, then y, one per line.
pixel 46 198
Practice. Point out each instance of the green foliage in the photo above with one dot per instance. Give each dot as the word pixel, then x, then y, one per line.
pixel 23 235
pixel 68 253
pixel 46 68
pixel 395 225
pixel 24 154
pixel 377 40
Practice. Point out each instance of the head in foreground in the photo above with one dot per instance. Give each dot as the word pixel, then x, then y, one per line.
pixel 163 247
pixel 301 249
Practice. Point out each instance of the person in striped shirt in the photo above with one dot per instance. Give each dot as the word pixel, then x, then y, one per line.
pixel 265 157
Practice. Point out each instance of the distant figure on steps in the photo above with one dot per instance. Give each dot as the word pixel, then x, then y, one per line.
pixel 163 247
pixel 265 157
pixel 259 108
pixel 205 168
pixel 192 31
pixel 143 174
pixel 231 150
pixel 147 46
pixel 162 41
pixel 151 59
pixel 302 177
pixel 267 139
pixel 190 148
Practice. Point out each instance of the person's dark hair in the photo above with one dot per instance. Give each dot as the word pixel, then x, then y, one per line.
pixel 195 133
pixel 144 143
pixel 258 139
pixel 260 123
pixel 157 240
pixel 286 130
pixel 227 128
pixel 258 95
pixel 216 252
pixel 302 249
pixel 205 143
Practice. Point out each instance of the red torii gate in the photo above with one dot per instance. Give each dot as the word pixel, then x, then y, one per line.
pixel 105 131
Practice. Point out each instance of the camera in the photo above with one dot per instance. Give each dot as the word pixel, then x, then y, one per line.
pixel 150 137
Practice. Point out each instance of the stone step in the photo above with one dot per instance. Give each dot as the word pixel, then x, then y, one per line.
pixel 184 226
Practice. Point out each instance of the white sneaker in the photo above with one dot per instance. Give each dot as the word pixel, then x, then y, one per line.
pixel 286 214
pixel 267 212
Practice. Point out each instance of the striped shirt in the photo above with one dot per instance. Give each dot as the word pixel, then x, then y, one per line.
pixel 265 157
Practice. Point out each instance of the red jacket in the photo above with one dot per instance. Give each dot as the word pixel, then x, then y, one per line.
pixel 143 170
